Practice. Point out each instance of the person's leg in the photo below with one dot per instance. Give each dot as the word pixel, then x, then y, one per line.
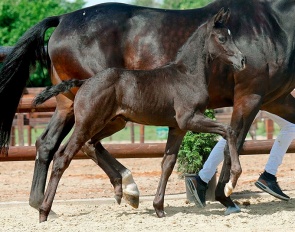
pixel 215 158
pixel 198 186
pixel 267 180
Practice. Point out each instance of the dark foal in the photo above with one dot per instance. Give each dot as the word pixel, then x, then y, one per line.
pixel 175 95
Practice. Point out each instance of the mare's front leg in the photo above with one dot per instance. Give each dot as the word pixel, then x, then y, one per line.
pixel 46 145
pixel 175 137
pixel 242 118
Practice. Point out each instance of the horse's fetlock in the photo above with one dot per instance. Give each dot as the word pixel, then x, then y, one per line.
pixel 117 181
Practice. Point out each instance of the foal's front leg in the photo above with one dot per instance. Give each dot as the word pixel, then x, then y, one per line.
pixel 174 141
pixel 199 123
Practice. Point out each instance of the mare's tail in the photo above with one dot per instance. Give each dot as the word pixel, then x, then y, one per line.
pixel 15 73
pixel 54 90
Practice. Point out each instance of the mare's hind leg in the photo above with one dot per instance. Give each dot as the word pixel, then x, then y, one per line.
pixel 174 140
pixel 46 145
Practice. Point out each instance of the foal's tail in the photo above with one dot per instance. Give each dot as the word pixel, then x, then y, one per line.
pixel 54 90
pixel 15 73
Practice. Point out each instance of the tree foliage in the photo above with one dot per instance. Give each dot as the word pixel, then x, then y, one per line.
pixel 172 4
pixel 19 15
pixel 184 4
pixel 147 3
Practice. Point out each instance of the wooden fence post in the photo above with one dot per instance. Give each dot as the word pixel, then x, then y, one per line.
pixel 269 128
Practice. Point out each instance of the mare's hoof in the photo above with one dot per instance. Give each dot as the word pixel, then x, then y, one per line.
pixel 228 189
pixel 35 204
pixel 232 209
pixel 132 200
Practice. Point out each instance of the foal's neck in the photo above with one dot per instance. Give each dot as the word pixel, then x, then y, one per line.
pixel 193 54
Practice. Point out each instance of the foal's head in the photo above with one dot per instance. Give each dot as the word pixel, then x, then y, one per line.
pixel 220 44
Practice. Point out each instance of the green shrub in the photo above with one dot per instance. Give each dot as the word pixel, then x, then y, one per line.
pixel 195 149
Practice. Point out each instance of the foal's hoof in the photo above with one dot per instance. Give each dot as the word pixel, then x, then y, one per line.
pixel 118 199
pixel 232 209
pixel 228 188
pixel 160 213
pixel 42 216
pixel 132 200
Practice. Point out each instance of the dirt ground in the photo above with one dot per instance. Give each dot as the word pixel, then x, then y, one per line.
pixel 84 202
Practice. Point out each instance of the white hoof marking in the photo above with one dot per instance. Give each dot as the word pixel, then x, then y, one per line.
pixel 228 189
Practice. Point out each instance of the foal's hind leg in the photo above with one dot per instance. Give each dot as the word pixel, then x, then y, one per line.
pixel 106 161
pixel 59 126
pixel 174 140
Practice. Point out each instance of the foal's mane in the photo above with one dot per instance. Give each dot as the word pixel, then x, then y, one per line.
pixel 197 38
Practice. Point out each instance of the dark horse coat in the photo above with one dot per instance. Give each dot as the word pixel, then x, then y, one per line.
pixel 118 35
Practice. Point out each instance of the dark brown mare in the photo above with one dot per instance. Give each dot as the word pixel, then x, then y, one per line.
pixel 175 95
pixel 117 35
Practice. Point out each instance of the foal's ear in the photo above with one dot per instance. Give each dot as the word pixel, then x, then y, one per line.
pixel 221 17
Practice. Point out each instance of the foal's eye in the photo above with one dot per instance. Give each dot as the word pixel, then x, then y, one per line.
pixel 222 39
